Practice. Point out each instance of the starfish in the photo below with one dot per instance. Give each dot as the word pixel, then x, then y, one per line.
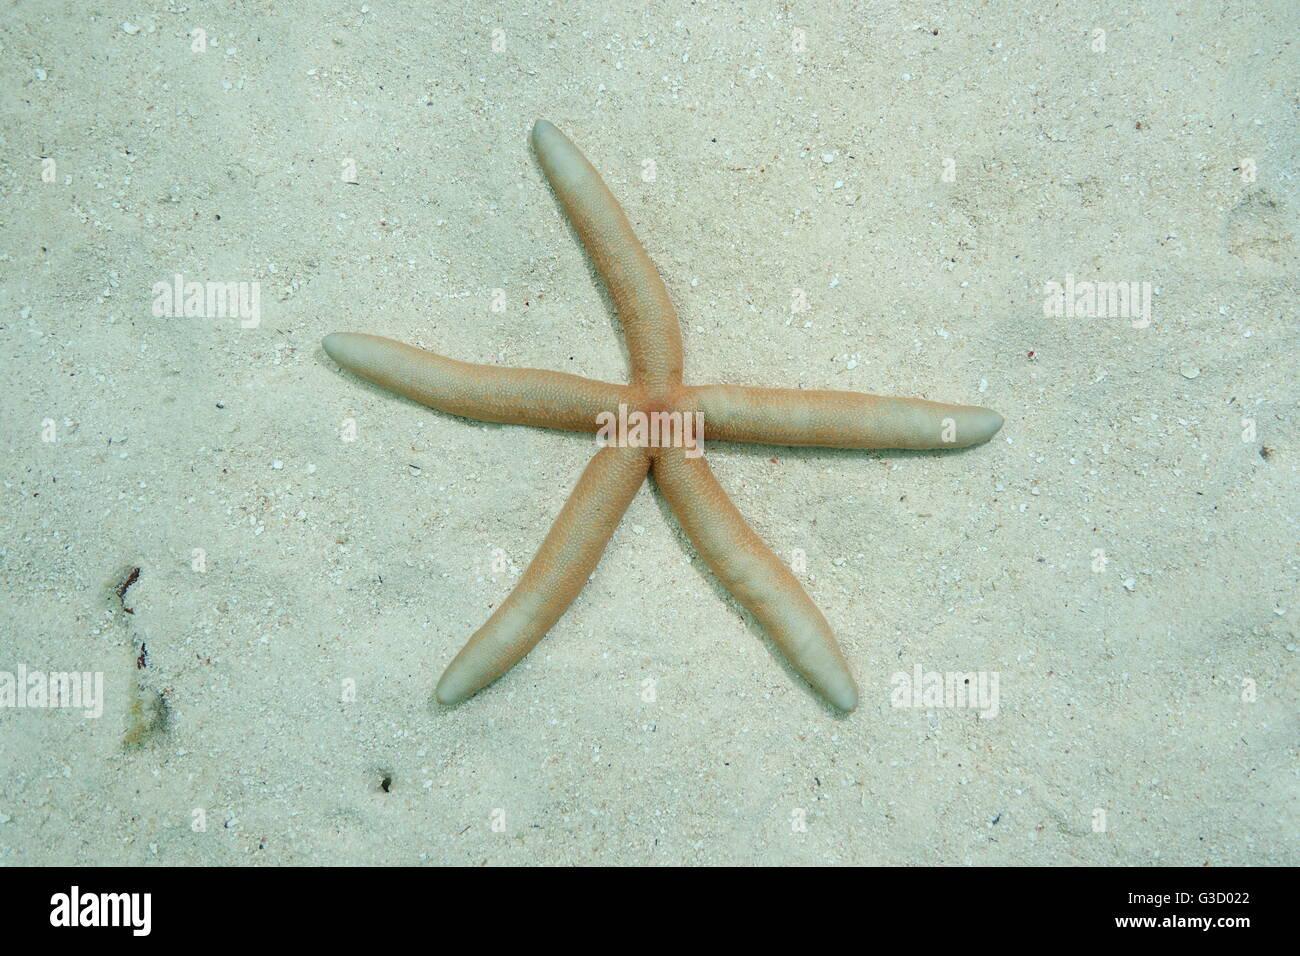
pixel 572 548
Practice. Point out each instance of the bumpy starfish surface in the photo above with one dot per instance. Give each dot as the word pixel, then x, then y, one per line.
pixel 776 416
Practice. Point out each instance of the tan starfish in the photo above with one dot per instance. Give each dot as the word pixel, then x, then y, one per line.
pixel 777 416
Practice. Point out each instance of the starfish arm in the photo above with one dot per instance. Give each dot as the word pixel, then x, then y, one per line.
pixel 793 416
pixel 654 340
pixel 756 576
pixel 518 396
pixel 554 577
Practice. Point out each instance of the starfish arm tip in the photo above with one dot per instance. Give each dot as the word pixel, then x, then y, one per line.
pixel 456 685
pixel 988 424
pixel 340 345
pixel 845 696
pixel 543 130
pixel 445 696
pixel 824 668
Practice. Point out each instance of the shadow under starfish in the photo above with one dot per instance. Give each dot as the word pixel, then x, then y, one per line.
pixel 776 416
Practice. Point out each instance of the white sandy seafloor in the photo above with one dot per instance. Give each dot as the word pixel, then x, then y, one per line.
pixel 1121 557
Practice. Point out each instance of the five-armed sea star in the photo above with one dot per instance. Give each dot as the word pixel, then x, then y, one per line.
pixel 776 416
